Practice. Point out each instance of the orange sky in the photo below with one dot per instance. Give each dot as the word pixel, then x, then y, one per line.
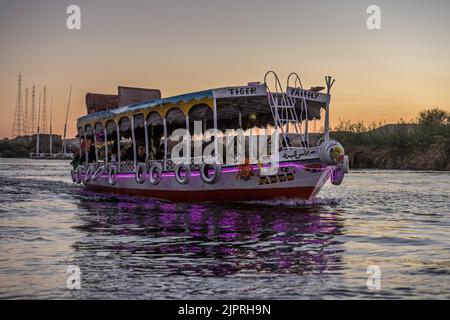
pixel 199 44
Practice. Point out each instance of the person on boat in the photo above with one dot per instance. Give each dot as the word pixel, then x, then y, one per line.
pixel 112 156
pixel 123 153
pixel 76 159
pixel 90 148
pixel 126 154
pixel 160 153
pixel 140 153
pixel 82 153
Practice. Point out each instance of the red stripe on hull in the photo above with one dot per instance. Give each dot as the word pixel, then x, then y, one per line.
pixel 214 195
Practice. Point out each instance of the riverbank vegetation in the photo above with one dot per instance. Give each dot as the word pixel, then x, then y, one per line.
pixel 21 147
pixel 422 144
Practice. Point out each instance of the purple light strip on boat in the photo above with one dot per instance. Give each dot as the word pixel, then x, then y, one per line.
pixel 227 170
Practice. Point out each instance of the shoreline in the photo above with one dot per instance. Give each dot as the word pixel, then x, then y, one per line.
pixel 352 167
pixel 363 157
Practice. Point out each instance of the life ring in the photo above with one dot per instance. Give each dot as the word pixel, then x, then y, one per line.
pixel 204 172
pixel 98 172
pixel 78 174
pixel 88 174
pixel 331 152
pixel 182 179
pixel 141 172
pixel 337 176
pixel 112 175
pixel 267 166
pixel 155 173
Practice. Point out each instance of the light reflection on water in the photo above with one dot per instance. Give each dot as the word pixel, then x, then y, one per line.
pixel 129 247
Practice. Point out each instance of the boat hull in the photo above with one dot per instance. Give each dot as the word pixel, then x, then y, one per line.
pixel 293 180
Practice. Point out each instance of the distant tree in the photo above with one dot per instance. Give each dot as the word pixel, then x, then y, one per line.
pixel 434 116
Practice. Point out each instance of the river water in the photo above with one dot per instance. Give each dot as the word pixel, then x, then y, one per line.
pixel 134 248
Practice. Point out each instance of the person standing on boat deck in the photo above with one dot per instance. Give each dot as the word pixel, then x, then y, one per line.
pixel 76 159
pixel 140 157
pixel 80 157
pixel 160 154
pixel 123 153
pixel 129 156
pixel 89 148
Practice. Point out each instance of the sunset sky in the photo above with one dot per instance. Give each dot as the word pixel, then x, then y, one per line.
pixel 191 45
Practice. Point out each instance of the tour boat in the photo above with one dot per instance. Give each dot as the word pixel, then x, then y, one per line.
pixel 128 143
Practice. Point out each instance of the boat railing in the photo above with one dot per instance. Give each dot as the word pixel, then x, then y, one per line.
pixel 282 108
pixel 303 106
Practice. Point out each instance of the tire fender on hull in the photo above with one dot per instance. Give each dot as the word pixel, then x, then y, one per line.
pixel 204 173
pixel 182 179
pixel 337 176
pixel 112 175
pixel 141 172
pixel 155 173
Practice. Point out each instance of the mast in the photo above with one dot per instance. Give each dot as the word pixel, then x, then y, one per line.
pixel 33 111
pixel 44 112
pixel 65 124
pixel 26 122
pixel 51 137
pixel 38 128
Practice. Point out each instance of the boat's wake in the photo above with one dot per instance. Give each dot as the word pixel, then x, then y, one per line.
pixel 295 203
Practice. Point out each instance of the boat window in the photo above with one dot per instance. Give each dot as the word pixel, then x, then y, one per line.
pixel 228 117
pixel 139 135
pixel 244 113
pixel 100 141
pixel 88 131
pixel 111 140
pixel 89 143
pixel 155 131
pixel 126 142
pixel 202 116
pixel 247 113
pixel 175 119
pixel 202 113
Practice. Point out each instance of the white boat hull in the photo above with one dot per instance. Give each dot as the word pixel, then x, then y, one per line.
pixel 295 179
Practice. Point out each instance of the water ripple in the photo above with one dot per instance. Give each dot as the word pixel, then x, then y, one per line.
pixel 131 247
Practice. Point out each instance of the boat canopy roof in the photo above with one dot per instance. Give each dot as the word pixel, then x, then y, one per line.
pixel 184 102
pixel 244 96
